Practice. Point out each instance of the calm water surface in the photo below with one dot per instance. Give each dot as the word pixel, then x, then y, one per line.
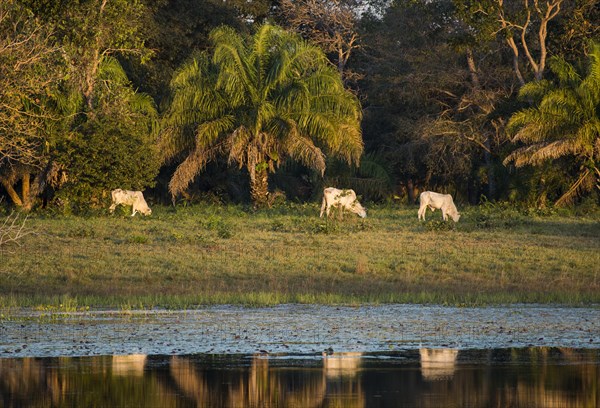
pixel 441 377
pixel 302 356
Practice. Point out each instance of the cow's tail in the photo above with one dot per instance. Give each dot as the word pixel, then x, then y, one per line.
pixel 323 206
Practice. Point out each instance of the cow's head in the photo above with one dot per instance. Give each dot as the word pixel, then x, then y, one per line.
pixel 146 211
pixel 359 209
pixel 455 216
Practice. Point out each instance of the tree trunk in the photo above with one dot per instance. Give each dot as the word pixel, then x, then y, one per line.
pixel 26 192
pixel 410 190
pixel 487 152
pixel 489 164
pixel 14 196
pixel 259 188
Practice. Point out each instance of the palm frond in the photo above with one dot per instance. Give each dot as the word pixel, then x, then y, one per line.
pixel 535 90
pixel 352 145
pixel 171 143
pixel 237 145
pixel 193 164
pixel 565 72
pixel 110 69
pixel 593 79
pixel 555 150
pixel 522 156
pixel 208 132
pixel 588 137
pixel 68 101
pixel 303 149
pixel 236 73
pixel 584 184
pixel 143 103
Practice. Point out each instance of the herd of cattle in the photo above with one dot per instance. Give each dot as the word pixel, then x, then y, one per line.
pixel 332 197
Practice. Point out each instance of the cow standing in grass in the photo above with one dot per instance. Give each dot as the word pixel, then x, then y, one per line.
pixel 431 200
pixel 344 199
pixel 132 198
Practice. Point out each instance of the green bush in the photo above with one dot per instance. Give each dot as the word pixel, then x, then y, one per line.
pixel 104 157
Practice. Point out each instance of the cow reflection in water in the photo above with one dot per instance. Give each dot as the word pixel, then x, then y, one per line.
pixel 343 382
pixel 129 365
pixel 438 364
pixel 341 364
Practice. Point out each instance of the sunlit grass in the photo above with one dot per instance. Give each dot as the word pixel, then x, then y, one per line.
pixel 204 254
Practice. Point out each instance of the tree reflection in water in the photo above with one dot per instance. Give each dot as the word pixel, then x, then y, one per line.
pixel 548 377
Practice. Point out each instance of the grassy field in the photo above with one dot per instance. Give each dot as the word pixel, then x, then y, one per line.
pixel 204 254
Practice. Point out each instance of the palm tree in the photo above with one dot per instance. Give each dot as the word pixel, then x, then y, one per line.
pixel 564 123
pixel 258 101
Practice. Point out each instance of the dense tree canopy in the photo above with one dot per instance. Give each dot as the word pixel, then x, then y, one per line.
pixel 30 68
pixel 83 84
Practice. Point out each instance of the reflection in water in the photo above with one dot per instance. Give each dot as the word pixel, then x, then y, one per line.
pixel 230 382
pixel 545 377
pixel 343 383
pixel 132 365
pixel 438 364
pixel 341 364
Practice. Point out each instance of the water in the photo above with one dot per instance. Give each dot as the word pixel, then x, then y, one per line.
pixel 523 377
pixel 295 329
pixel 303 356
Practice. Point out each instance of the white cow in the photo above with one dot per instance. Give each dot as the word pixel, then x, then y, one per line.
pixel 436 200
pixel 346 199
pixel 133 198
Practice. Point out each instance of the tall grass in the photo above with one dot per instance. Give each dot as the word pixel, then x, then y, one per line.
pixel 208 254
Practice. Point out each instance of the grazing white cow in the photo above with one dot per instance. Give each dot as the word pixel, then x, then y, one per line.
pixel 436 200
pixel 346 199
pixel 133 198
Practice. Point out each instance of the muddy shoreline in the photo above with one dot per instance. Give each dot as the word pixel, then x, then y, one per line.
pixel 295 330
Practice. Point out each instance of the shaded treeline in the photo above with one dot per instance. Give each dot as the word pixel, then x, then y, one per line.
pixel 474 98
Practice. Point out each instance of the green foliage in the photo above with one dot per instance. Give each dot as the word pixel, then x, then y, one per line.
pixel 216 223
pixel 563 126
pixel 112 147
pixel 259 100
pixel 372 178
pixel 107 154
pixel 490 215
pixel 437 225
pixel 31 67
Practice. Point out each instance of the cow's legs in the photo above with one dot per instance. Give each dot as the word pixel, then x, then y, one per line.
pixel 134 211
pixel 422 210
pixel 323 205
pixel 444 215
pixel 112 208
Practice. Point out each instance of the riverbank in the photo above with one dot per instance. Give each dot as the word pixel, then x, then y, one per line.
pixel 183 257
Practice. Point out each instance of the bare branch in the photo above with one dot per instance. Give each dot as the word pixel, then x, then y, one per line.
pixel 12 231
pixel 543 15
